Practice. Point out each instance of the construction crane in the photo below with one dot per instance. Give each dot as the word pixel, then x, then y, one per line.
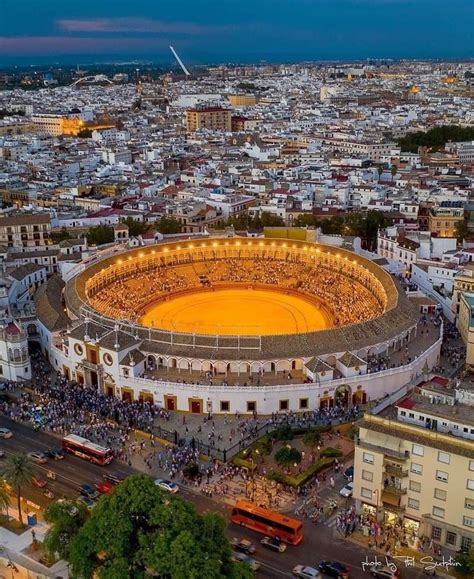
pixel 180 62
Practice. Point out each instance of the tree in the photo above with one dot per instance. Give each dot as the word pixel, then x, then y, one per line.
pixel 18 471
pixel 466 563
pixel 153 533
pixel 305 220
pixel 61 235
pixel 288 455
pixel 312 438
pixel 135 227
pixel 169 225
pixel 100 234
pixel 393 171
pixel 66 519
pixel 436 138
pixel 85 134
pixel 4 496
pixel 461 230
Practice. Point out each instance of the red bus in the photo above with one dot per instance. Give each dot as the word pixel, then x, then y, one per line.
pixel 267 522
pixel 87 449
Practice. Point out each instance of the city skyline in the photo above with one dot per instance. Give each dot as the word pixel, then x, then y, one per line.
pixel 208 31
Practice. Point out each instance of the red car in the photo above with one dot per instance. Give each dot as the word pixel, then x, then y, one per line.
pixel 105 487
pixel 38 482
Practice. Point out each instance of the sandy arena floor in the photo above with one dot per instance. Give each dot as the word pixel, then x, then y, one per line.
pixel 237 312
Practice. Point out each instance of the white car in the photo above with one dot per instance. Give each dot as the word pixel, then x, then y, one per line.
pixel 167 485
pixel 38 457
pixel 305 572
pixel 5 433
pixel 347 490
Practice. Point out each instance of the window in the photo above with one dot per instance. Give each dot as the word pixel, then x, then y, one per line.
pixel 470 484
pixel 418 450
pixel 440 494
pixel 438 512
pixel 368 458
pixel 451 538
pixel 444 457
pixel 471 465
pixel 303 403
pixel 469 503
pixel 284 404
pixel 466 543
pixel 416 468
pixel 468 521
pixel 367 475
pixel 225 406
pixel 441 476
pixel 414 504
pixel 365 492
pixel 436 533
pixel 251 406
pixel 415 486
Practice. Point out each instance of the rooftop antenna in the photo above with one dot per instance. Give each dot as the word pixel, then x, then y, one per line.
pixel 180 62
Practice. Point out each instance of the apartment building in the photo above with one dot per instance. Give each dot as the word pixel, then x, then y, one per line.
pixel 242 100
pixel 28 230
pixel 442 220
pixel 466 325
pixel 212 118
pixel 415 466
pixel 463 282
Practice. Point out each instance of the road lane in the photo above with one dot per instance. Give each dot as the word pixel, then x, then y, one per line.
pixel 320 541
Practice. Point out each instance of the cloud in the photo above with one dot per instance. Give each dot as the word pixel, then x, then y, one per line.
pixel 141 25
pixel 33 45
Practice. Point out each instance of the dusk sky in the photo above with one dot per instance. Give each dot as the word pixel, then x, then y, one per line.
pixel 236 30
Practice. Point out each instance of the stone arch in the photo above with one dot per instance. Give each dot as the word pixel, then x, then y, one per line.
pixel 183 364
pixel 172 363
pixel 283 366
pixel 196 366
pixel 342 395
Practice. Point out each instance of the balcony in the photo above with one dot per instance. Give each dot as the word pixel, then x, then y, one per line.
pixel 395 489
pixel 393 470
pixel 396 454
pixel 393 508
pixel 91 365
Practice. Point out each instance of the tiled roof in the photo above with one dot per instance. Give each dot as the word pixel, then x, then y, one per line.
pixel 48 303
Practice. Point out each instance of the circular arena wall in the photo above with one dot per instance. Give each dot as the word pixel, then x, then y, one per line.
pixel 387 314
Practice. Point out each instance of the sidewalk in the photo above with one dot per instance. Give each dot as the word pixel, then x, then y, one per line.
pixel 402 557
pixel 15 549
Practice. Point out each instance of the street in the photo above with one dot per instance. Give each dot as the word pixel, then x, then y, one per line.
pixel 320 541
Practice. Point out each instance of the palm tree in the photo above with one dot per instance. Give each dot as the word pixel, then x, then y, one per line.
pixel 18 472
pixel 4 496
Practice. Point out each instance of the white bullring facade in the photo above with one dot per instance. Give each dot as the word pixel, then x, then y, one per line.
pixel 88 341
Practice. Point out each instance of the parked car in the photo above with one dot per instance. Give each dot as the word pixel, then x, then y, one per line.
pixel 113 477
pixel 89 503
pixel 347 490
pixel 5 433
pixel 105 487
pixel 38 482
pixel 243 558
pixel 334 569
pixel 274 544
pixel 243 545
pixel 167 485
pixel 305 572
pixel 385 573
pixel 89 491
pixel 55 453
pixel 38 457
pixel 349 473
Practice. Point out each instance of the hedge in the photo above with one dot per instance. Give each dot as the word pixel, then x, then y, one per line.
pixel 331 452
pixel 296 481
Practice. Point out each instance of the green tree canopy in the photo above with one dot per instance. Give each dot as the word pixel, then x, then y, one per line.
pixel 66 519
pixel 100 234
pixel 466 561
pixel 61 235
pixel 436 138
pixel 18 471
pixel 461 230
pixel 168 225
pixel 135 227
pixel 4 496
pixel 287 455
pixel 140 529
